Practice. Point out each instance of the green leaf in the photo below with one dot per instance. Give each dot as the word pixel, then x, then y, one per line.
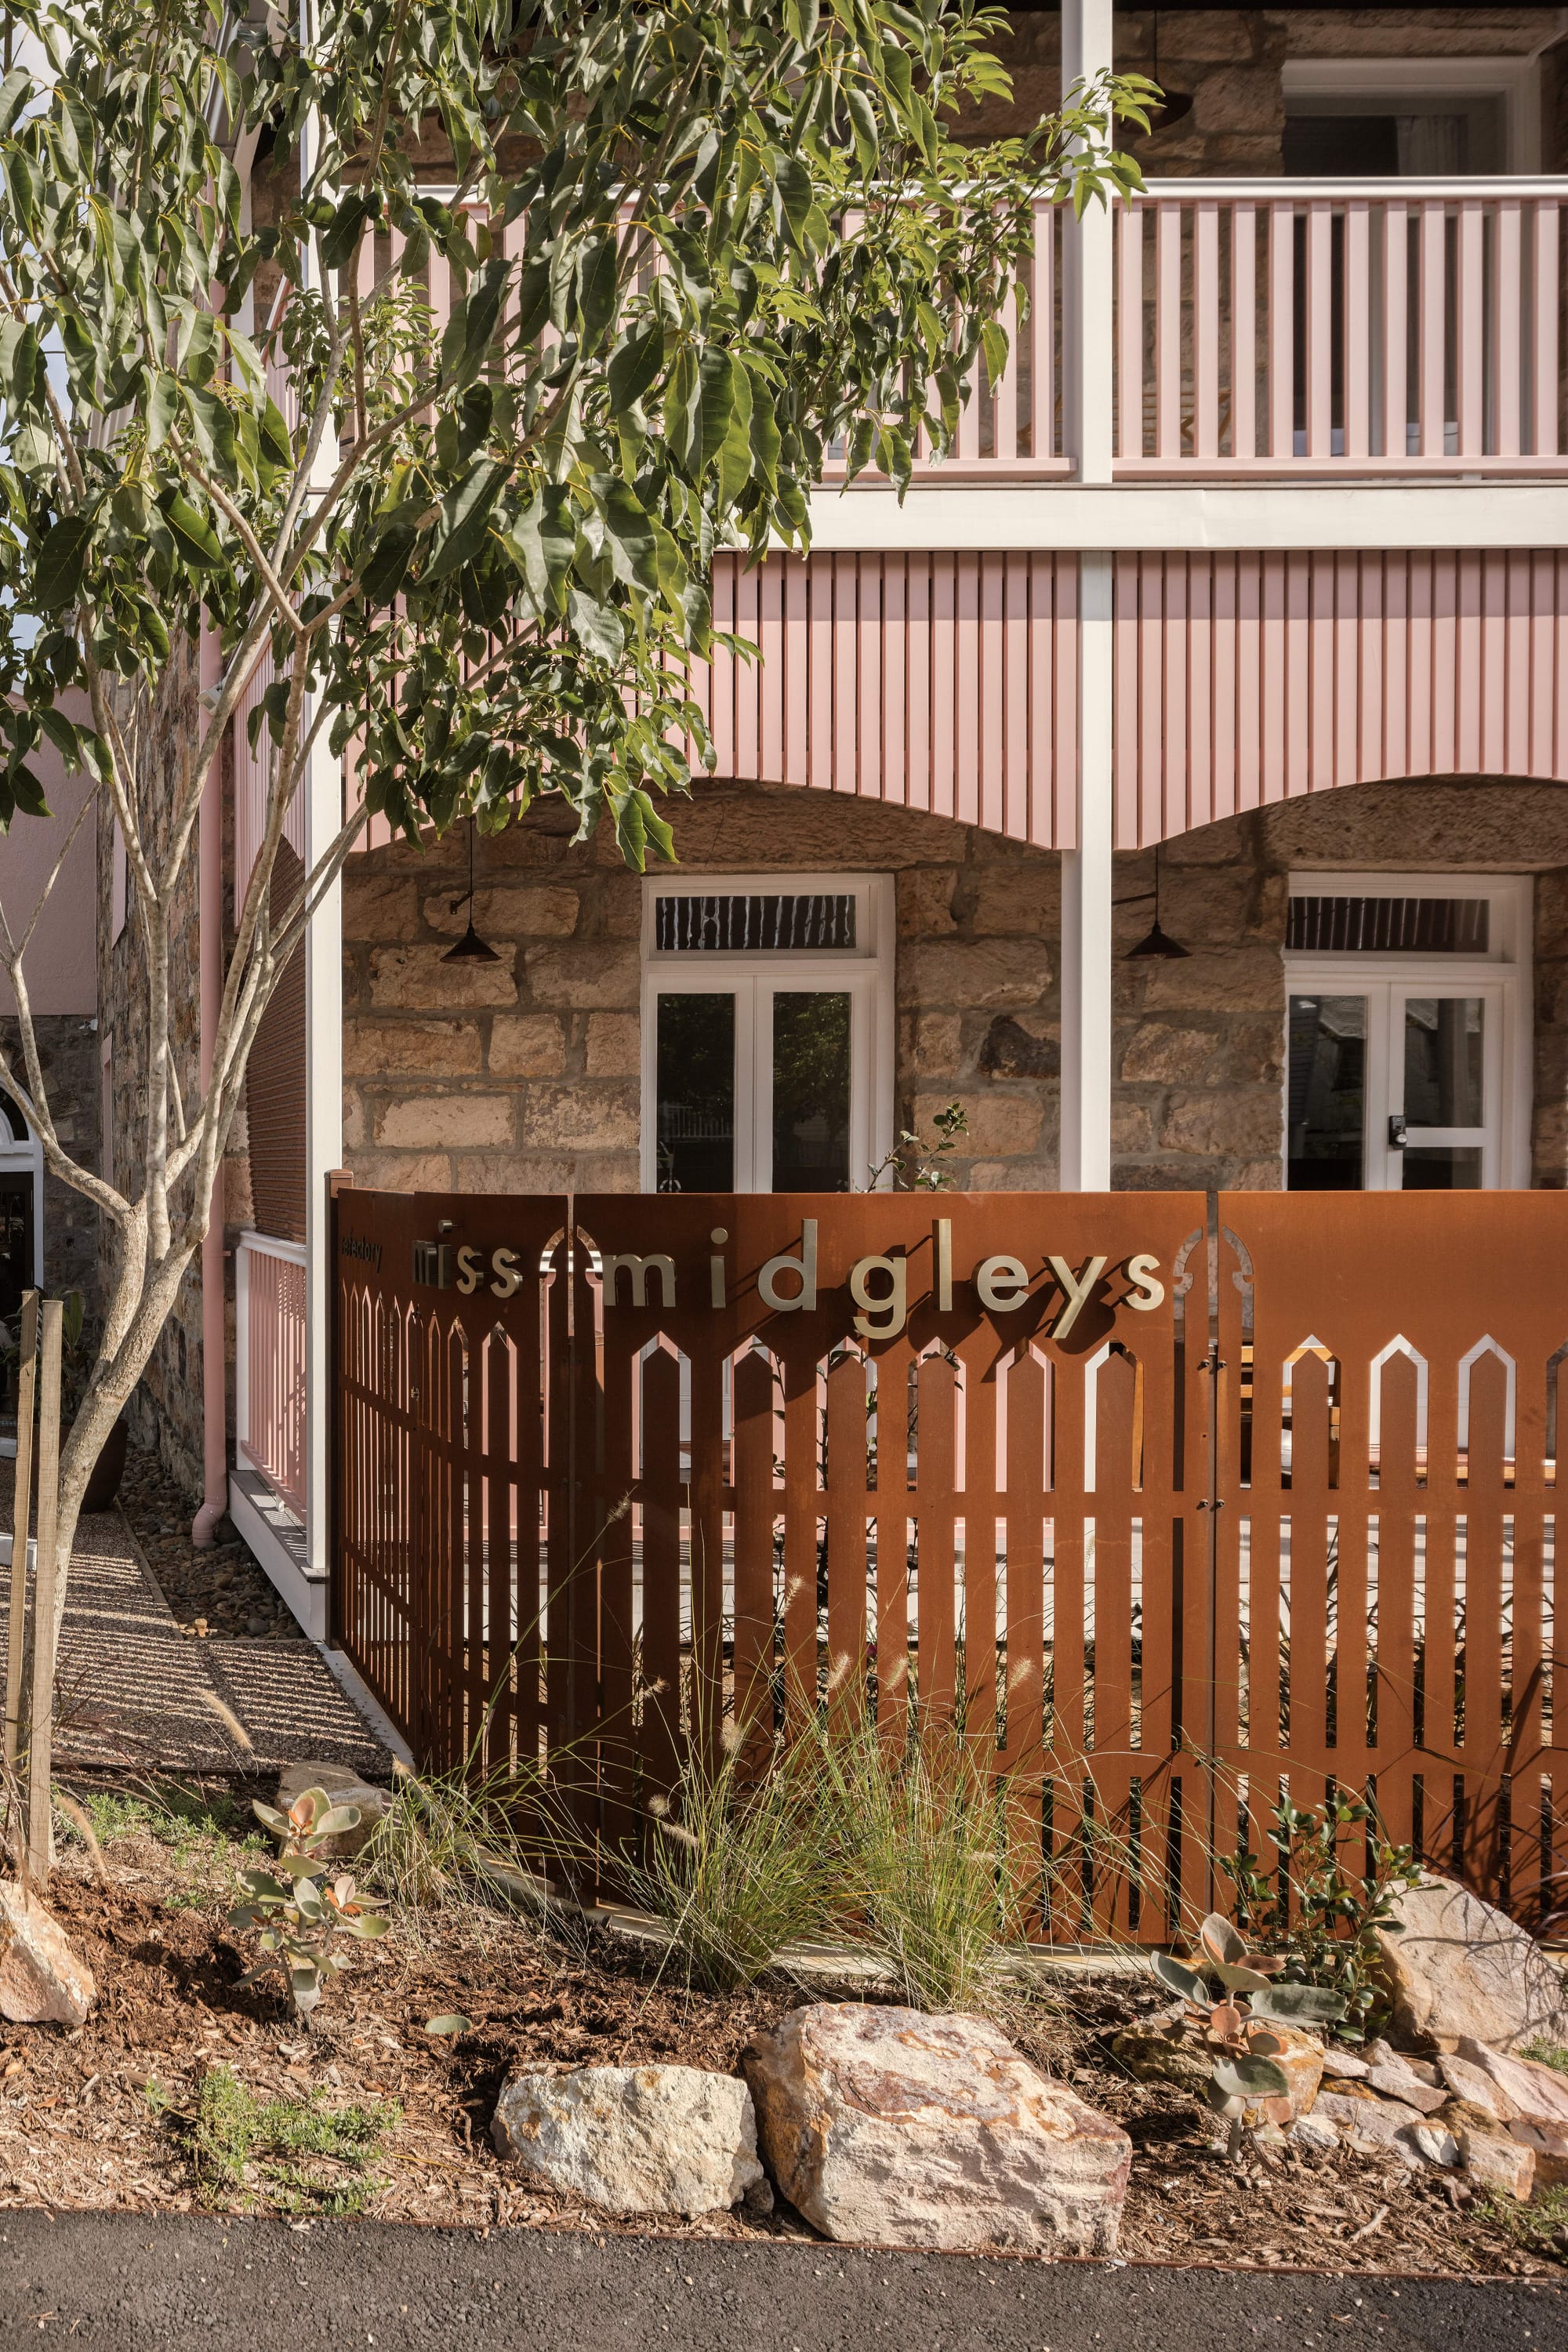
pixel 198 540
pixel 450 2021
pixel 599 287
pixel 1240 1979
pixel 343 234
pixel 386 568
pixel 1251 2079
pixel 635 366
pixel 275 438
pixel 1293 2004
pixel 165 406
pixel 465 513
pixel 597 627
pixel 62 558
pixel 796 196
pixel 1220 1940
pixel 717 376
pixel 1176 1979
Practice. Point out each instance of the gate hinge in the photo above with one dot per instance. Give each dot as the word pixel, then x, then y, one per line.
pixel 1217 1504
pixel 1212 1364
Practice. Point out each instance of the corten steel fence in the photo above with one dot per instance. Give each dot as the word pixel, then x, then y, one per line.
pixel 1198 1499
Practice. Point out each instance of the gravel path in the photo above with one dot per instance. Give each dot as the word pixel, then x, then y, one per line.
pixel 140 2286
pixel 136 1691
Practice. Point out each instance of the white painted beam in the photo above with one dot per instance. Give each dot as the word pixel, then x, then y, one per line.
pixel 1175 517
pixel 1085 905
pixel 1087 357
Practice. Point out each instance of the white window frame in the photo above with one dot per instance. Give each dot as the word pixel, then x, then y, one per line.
pixel 27 1157
pixel 1501 977
pixel 751 976
pixel 1515 80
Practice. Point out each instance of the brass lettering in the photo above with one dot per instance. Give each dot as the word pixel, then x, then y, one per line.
pixel 1075 1290
pixel 888 1311
pixel 508 1273
pixel 638 1269
pixel 945 1265
pixel 805 1266
pixel 1002 1284
pixel 470 1269
pixel 1146 1294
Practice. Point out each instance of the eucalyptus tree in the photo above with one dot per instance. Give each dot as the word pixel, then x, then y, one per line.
pixel 689 248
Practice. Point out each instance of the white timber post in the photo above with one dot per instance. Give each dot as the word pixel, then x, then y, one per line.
pixel 323 791
pixel 1088 373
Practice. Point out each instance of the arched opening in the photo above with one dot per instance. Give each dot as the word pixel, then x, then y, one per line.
pixel 21 1223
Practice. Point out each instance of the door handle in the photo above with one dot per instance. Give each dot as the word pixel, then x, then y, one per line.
pixel 1396 1130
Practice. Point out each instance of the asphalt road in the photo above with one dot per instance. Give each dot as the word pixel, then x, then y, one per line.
pixel 129 2284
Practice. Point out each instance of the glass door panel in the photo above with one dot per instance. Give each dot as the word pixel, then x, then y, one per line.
pixel 1328 1100
pixel 1441 1052
pixel 696 1092
pixel 811 1091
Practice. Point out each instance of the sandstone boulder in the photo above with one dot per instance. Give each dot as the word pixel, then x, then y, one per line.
pixel 42 1982
pixel 1372 2122
pixel 344 1788
pixel 1477 2086
pixel 1537 2092
pixel 1495 2161
pixel 631 2139
pixel 1462 1968
pixel 1302 2060
pixel 1398 2083
pixel 888 2127
pixel 1151 2053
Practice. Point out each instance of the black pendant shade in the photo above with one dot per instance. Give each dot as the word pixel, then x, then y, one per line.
pixel 1156 944
pixel 470 947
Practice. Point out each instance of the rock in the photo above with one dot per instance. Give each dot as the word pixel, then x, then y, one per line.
pixel 1398 2083
pixel 1495 2161
pixel 1536 2092
pixel 1302 2060
pixel 1315 2131
pixel 1434 2143
pixel 1477 2088
pixel 1151 2055
pixel 1462 1968
pixel 892 2128
pixel 42 1982
pixel 1372 2122
pixel 1548 2143
pixel 631 2139
pixel 1342 2066
pixel 344 1788
pixel 759 2199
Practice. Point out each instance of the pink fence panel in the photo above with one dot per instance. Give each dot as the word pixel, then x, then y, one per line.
pixel 270 1297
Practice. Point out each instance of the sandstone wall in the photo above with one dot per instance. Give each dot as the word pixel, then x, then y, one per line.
pixel 1230 61
pixel 525 1073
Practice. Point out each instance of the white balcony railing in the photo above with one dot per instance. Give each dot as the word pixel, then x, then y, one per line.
pixel 269 1299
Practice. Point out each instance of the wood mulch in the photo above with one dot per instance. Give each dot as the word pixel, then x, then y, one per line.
pixel 99 2117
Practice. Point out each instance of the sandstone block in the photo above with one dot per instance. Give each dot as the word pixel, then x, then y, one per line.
pixel 631 2139
pixel 508 910
pixel 1434 2144
pixel 415 979
pixel 585 975
pixel 1370 2121
pixel 999 1124
pixel 604 1116
pixel 402 1171
pixel 1316 2132
pixel 1398 2083
pixel 1027 1049
pixel 1536 2092
pixel 1463 1969
pixel 1477 2088
pixel 1548 2146
pixel 1343 2066
pixel 1163 1054
pixel 615 1046
pixel 395 1048
pixel 378 905
pixel 1022 898
pixel 888 2127
pixel 42 1982
pixel 937 1043
pixel 527 1046
pixel 982 975
pixel 925 898
pixel 1212 1121
pixel 1247 980
pixel 455 1122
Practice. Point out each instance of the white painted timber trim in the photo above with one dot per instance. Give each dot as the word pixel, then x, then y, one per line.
pixel 306 1595
pixel 1173 516
pixel 1086 917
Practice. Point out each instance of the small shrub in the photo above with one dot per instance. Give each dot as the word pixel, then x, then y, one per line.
pixel 450 1839
pixel 1321 1920
pixel 299 1907
pixel 1237 2023
pixel 1546 2053
pixel 730 1863
pixel 1540 2227
pixel 293 2156
pixel 922 1878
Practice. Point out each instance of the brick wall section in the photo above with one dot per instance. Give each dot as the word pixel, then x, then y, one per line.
pixel 525 1073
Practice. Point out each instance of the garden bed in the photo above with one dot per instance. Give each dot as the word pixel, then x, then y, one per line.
pixel 189 2087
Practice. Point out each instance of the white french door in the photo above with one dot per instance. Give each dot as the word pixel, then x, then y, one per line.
pixel 1401 1084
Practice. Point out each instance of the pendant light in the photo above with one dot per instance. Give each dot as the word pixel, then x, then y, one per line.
pixel 1173 104
pixel 1157 944
pixel 470 947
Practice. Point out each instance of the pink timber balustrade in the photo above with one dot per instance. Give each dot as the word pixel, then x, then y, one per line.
pixel 1391 327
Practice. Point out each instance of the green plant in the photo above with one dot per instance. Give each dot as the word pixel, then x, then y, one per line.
pixel 730 1861
pixel 1322 1920
pixel 915 1167
pixel 917 1837
pixel 1546 2053
pixel 299 1907
pixel 297 2156
pixel 1540 2227
pixel 448 1838
pixel 1237 2023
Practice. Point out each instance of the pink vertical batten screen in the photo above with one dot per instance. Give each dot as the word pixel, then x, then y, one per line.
pixel 1246 679
pixel 946 683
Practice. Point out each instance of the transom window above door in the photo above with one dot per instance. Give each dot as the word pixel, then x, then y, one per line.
pixel 767 1032
pixel 1408 1063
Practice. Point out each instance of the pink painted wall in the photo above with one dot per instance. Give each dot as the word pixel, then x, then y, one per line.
pixel 61 965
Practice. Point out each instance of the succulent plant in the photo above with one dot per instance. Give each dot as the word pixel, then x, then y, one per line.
pixel 1231 1995
pixel 303 1902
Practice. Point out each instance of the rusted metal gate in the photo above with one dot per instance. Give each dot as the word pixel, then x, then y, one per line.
pixel 1173 1499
